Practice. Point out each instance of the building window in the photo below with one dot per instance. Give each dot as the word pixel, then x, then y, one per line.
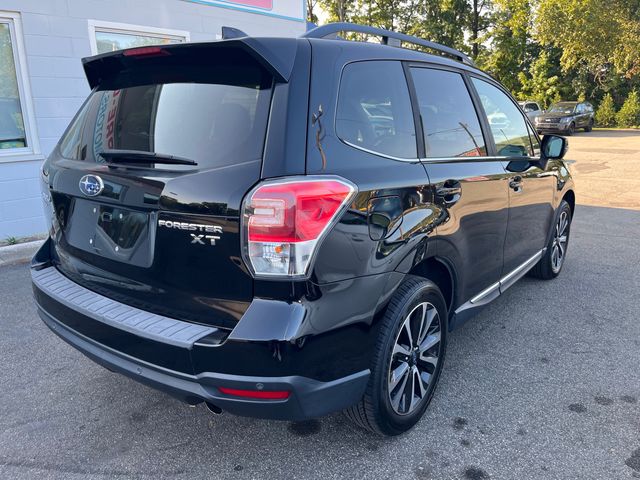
pixel 109 37
pixel 15 107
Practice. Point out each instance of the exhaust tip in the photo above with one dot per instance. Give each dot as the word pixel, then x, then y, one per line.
pixel 216 410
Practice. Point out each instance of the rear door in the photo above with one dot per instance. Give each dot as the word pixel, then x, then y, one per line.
pixel 580 115
pixel 530 186
pixel 163 237
pixel 469 187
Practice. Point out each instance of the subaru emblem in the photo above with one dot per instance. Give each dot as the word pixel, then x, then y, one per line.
pixel 91 185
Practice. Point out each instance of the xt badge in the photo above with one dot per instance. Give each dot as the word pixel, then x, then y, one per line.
pixel 207 234
pixel 201 238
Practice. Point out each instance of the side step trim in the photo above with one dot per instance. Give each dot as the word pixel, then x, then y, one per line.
pixel 495 290
pixel 125 317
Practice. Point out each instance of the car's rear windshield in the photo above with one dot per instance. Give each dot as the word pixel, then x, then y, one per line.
pixel 215 120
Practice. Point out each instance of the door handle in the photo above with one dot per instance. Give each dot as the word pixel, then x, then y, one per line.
pixel 516 183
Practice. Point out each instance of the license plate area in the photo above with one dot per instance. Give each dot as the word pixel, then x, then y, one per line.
pixel 122 226
pixel 112 232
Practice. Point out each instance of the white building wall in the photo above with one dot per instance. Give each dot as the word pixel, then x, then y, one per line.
pixel 56 37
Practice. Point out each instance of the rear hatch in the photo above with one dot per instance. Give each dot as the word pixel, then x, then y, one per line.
pixel 160 233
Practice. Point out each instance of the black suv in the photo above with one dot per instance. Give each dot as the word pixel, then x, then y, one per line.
pixel 566 117
pixel 286 227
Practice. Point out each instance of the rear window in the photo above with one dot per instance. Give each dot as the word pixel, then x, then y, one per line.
pixel 374 109
pixel 214 120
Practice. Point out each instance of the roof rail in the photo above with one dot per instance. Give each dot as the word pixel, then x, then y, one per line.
pixel 389 37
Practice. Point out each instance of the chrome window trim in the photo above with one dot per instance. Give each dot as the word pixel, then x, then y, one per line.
pixel 379 154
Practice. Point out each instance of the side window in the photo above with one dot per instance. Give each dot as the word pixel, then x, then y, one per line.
pixel 580 108
pixel 374 109
pixel 71 144
pixel 449 119
pixel 533 107
pixel 508 127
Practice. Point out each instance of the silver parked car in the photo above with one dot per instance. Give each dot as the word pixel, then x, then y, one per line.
pixel 532 109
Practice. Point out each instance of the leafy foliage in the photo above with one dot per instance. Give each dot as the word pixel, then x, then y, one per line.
pixel 606 113
pixel 629 114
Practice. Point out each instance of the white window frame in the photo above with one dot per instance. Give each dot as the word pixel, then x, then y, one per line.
pixel 32 150
pixel 127 28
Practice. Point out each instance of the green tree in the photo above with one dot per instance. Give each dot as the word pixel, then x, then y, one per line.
pixel 510 52
pixel 479 21
pixel 440 21
pixel 337 10
pixel 312 16
pixel 606 113
pixel 629 114
pixel 542 82
pixel 599 34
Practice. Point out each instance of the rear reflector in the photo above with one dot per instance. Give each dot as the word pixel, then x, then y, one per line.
pixel 145 52
pixel 285 221
pixel 263 394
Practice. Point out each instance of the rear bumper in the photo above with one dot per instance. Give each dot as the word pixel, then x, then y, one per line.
pixel 193 362
pixel 309 398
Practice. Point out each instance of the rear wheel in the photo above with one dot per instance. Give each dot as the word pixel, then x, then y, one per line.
pixel 407 362
pixel 552 261
pixel 589 127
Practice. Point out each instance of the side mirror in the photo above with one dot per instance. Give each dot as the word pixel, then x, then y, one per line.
pixel 554 147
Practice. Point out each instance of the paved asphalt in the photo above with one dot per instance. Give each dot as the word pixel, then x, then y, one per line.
pixel 543 384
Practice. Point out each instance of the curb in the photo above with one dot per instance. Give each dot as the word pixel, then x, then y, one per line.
pixel 20 253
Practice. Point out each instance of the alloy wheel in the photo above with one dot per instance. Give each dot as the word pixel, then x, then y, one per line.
pixel 559 245
pixel 414 359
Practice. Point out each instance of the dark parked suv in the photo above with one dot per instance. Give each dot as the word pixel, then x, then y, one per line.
pixel 286 227
pixel 566 117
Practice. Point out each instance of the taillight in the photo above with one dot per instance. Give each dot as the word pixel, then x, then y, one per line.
pixel 145 52
pixel 284 222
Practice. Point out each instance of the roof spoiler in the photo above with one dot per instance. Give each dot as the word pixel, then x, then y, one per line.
pixel 276 55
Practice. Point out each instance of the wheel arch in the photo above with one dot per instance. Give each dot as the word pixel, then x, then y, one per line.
pixel 442 274
pixel 570 198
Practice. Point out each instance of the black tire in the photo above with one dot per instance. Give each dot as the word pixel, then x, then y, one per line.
pixel 589 127
pixel 571 130
pixel 546 269
pixel 375 411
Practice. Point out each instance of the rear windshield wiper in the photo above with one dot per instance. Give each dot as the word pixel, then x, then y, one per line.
pixel 138 156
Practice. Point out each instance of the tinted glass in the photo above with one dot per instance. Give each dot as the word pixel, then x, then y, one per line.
pixel 374 109
pixel 533 107
pixel 214 124
pixel 449 120
pixel 507 123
